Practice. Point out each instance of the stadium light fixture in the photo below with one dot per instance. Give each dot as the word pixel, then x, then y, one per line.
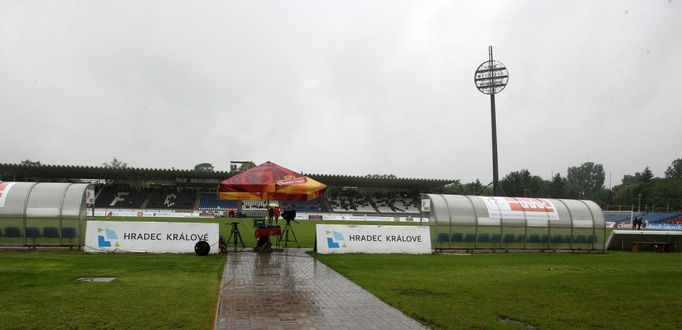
pixel 491 77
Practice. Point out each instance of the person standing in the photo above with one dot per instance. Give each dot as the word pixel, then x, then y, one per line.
pixel 276 212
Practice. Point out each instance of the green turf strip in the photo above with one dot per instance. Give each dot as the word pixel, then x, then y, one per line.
pixel 38 290
pixel 617 290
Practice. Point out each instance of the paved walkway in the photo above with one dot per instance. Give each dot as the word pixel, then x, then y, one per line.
pixel 291 290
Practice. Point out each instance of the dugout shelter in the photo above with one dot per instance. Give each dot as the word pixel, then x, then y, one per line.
pixel 509 223
pixel 42 214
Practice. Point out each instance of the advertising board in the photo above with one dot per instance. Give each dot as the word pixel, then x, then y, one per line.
pixel 664 226
pixel 151 237
pixel 520 208
pixel 426 205
pixel 90 196
pixel 338 239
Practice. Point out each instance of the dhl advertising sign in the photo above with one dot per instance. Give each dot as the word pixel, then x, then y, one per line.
pixel 520 208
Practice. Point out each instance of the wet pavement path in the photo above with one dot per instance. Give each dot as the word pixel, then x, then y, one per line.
pixel 291 290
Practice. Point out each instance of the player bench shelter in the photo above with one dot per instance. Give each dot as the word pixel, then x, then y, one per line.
pixel 460 222
pixel 42 214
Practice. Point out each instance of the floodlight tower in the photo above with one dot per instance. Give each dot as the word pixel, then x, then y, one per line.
pixel 490 78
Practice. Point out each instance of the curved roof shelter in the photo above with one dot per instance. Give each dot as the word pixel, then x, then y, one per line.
pixel 481 222
pixel 42 214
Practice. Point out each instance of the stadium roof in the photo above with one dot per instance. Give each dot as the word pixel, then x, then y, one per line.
pixel 38 172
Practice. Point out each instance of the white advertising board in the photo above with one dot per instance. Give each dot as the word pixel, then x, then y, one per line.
pixel 152 237
pixel 520 208
pixel 336 239
pixel 426 205
pixel 90 196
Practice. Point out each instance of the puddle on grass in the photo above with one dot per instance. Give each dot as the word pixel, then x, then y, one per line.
pixel 517 322
pixel 96 279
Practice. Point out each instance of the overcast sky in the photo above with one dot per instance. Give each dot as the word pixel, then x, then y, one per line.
pixel 342 87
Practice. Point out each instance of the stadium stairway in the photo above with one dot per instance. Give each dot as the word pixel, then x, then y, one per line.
pixel 373 205
pixel 197 200
pixel 325 204
pixel 146 201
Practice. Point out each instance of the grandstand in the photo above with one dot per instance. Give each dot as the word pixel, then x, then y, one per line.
pixel 209 201
pixel 384 205
pixel 170 198
pixel 354 204
pixel 129 189
pixel 253 205
pixel 618 216
pixel 124 197
pixel 308 206
pixel 401 203
pixel 119 197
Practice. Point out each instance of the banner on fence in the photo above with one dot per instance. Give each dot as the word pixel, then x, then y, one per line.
pixel 333 239
pixel 153 237
pixel 664 226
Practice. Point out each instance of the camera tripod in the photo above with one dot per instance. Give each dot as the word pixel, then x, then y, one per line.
pixel 285 234
pixel 237 235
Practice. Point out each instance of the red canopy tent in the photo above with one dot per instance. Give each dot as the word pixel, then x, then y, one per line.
pixel 269 181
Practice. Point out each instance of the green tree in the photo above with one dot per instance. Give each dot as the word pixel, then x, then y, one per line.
pixel 640 177
pixel 626 195
pixel 557 188
pixel 246 165
pixel 665 194
pixel 674 171
pixel 30 163
pixel 586 180
pixel 522 183
pixel 204 167
pixel 475 188
pixel 115 163
pixel 454 188
pixel 646 175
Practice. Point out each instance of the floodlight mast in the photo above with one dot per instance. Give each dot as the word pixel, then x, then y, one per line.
pixel 490 78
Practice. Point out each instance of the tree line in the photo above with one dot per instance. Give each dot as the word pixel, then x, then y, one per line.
pixel 638 191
